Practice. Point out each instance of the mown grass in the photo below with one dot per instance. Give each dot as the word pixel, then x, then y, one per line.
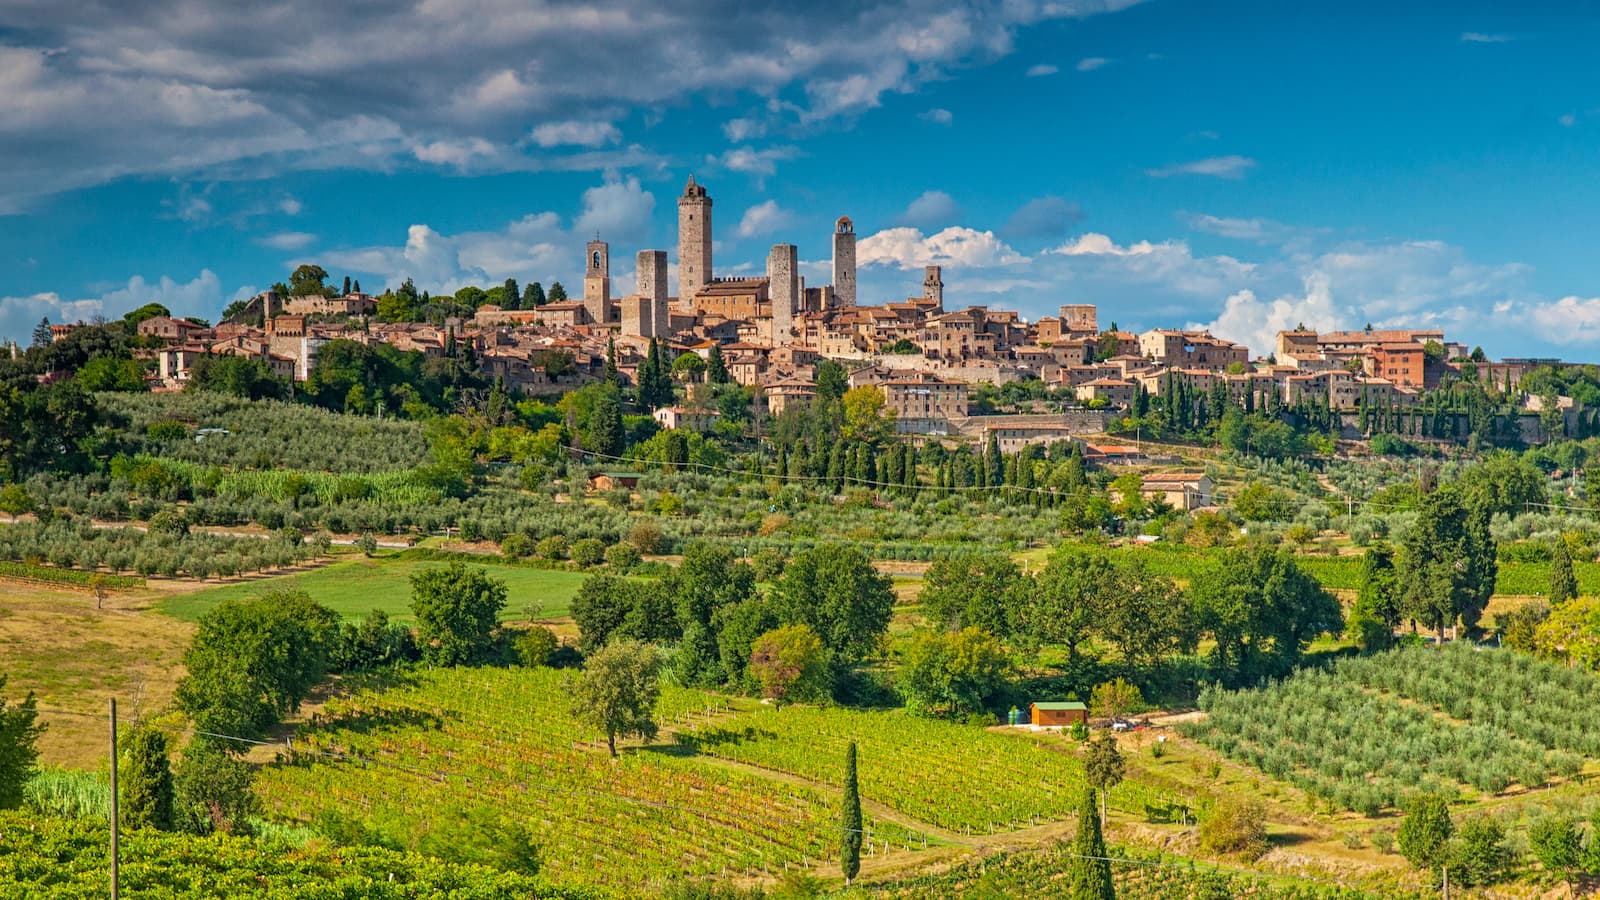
pixel 355 587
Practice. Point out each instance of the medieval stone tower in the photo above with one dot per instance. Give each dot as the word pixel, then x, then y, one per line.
pixel 844 263
pixel 597 281
pixel 783 289
pixel 694 242
pixel 933 286
pixel 652 269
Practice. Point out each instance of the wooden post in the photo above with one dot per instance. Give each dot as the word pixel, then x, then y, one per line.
pixel 114 799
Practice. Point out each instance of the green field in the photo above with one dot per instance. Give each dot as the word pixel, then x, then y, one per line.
pixel 356 586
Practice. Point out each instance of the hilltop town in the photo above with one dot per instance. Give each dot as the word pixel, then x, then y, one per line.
pixel 926 354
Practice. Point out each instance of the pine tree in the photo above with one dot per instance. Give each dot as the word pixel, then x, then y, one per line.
pixel 1089 877
pixel 716 369
pixel 533 296
pixel 1563 585
pixel 850 820
pixel 147 781
pixel 41 333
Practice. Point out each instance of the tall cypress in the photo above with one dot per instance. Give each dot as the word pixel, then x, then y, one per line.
pixel 850 820
pixel 147 787
pixel 1563 585
pixel 1089 877
pixel 611 363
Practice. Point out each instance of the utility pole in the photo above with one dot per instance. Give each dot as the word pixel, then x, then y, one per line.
pixel 1446 871
pixel 113 798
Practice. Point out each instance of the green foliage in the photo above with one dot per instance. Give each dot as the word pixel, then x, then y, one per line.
pixel 1262 609
pixel 608 606
pixel 1377 610
pixel 1235 825
pixel 789 664
pixel 212 791
pixel 236 376
pixel 952 673
pixel 588 552
pixel 108 373
pixel 19 733
pixel 835 591
pixel 1424 838
pixel 1114 699
pixel 537 646
pixel 252 662
pixel 456 610
pixel 971 590
pixel 1089 874
pixel 850 823
pixel 1479 854
pixel 1563 583
pixel 1104 766
pixel 481 836
pixel 372 643
pixel 1447 563
pixel 146 781
pixel 618 691
pixel 1558 845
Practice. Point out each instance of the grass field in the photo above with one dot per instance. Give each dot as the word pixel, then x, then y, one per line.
pixel 354 587
pixel 54 643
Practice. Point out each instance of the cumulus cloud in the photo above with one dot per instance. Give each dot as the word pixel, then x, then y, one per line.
pixel 1039 70
pixel 909 248
pixel 764 218
pixel 1256 323
pixel 932 209
pixel 743 129
pixel 759 164
pixel 1215 166
pixel 1090 63
pixel 938 116
pixel 576 133
pixel 288 240
pixel 132 95
pixel 619 210
pixel 201 296
pixel 1570 320
pixel 290 206
pixel 1042 217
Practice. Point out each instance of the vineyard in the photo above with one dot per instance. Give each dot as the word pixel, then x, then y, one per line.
pixel 79 545
pixel 65 859
pixel 1139 875
pixel 1373 729
pixel 399 761
pixel 967 779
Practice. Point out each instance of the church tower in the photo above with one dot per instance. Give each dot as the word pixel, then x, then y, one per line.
pixel 597 281
pixel 933 286
pixel 844 263
pixel 694 242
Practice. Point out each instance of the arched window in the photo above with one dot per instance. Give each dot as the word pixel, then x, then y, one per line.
pixel 597 259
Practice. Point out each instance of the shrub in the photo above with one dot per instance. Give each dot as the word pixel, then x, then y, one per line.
pixel 367 544
pixel 1235 826
pixel 622 556
pixel 647 537
pixel 536 647
pixel 552 547
pixel 588 552
pixel 516 544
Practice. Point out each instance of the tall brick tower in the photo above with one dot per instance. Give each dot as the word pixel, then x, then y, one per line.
pixel 844 263
pixel 783 289
pixel 652 269
pixel 694 242
pixel 933 285
pixel 597 281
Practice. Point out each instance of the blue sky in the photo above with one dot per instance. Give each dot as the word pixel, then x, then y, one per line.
pixel 1238 165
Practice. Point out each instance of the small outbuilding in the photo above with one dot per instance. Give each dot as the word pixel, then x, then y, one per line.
pixel 605 481
pixel 1065 714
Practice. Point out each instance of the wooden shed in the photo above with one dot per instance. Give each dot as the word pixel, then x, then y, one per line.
pixel 1066 714
pixel 605 481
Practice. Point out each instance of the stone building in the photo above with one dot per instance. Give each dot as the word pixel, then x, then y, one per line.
pixel 933 287
pixel 694 242
pixel 844 263
pixel 1079 317
pixel 597 282
pixel 783 290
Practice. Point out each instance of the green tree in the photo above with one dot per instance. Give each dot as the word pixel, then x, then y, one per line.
pixel 736 628
pixel 107 373
pixel 1447 563
pixel 41 334
pixel 832 380
pixel 146 780
pixel 251 662
pixel 1571 632
pixel 835 590
pixel 1377 610
pixel 1089 873
pixel 688 366
pixel 605 434
pixel 19 733
pixel 1150 619
pixel 850 823
pixel 483 836
pixel 558 294
pixel 511 293
pixel 251 379
pixel 1563 583
pixel 1262 610
pixel 308 280
pixel 1425 830
pixel 1103 767
pixel 716 368
pixel 147 311
pixel 971 589
pixel 611 375
pixel 212 791
pixel 945 672
pixel 1069 598
pixel 1558 845
pixel 456 609
pixel 617 693
pixel 790 664
pixel 1114 699
pixel 1479 854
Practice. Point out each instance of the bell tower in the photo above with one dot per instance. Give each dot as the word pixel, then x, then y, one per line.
pixel 597 281
pixel 844 263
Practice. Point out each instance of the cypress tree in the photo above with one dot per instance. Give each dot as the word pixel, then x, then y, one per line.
pixel 1563 585
pixel 850 820
pixel 716 369
pixel 533 296
pixel 1089 878
pixel 612 377
pixel 346 287
pixel 147 786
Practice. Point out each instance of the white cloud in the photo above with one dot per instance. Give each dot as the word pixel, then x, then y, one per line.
pixel 763 218
pixel 759 164
pixel 1215 166
pixel 576 133
pixel 458 153
pixel 290 206
pixel 19 315
pixel 909 248
pixel 1570 320
pixel 1039 70
pixel 288 240
pixel 1256 229
pixel 619 210
pixel 201 296
pixel 744 129
pixel 1256 323
pixel 1090 63
pixel 1478 37
pixel 1095 244
pixel 938 116
pixel 931 209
